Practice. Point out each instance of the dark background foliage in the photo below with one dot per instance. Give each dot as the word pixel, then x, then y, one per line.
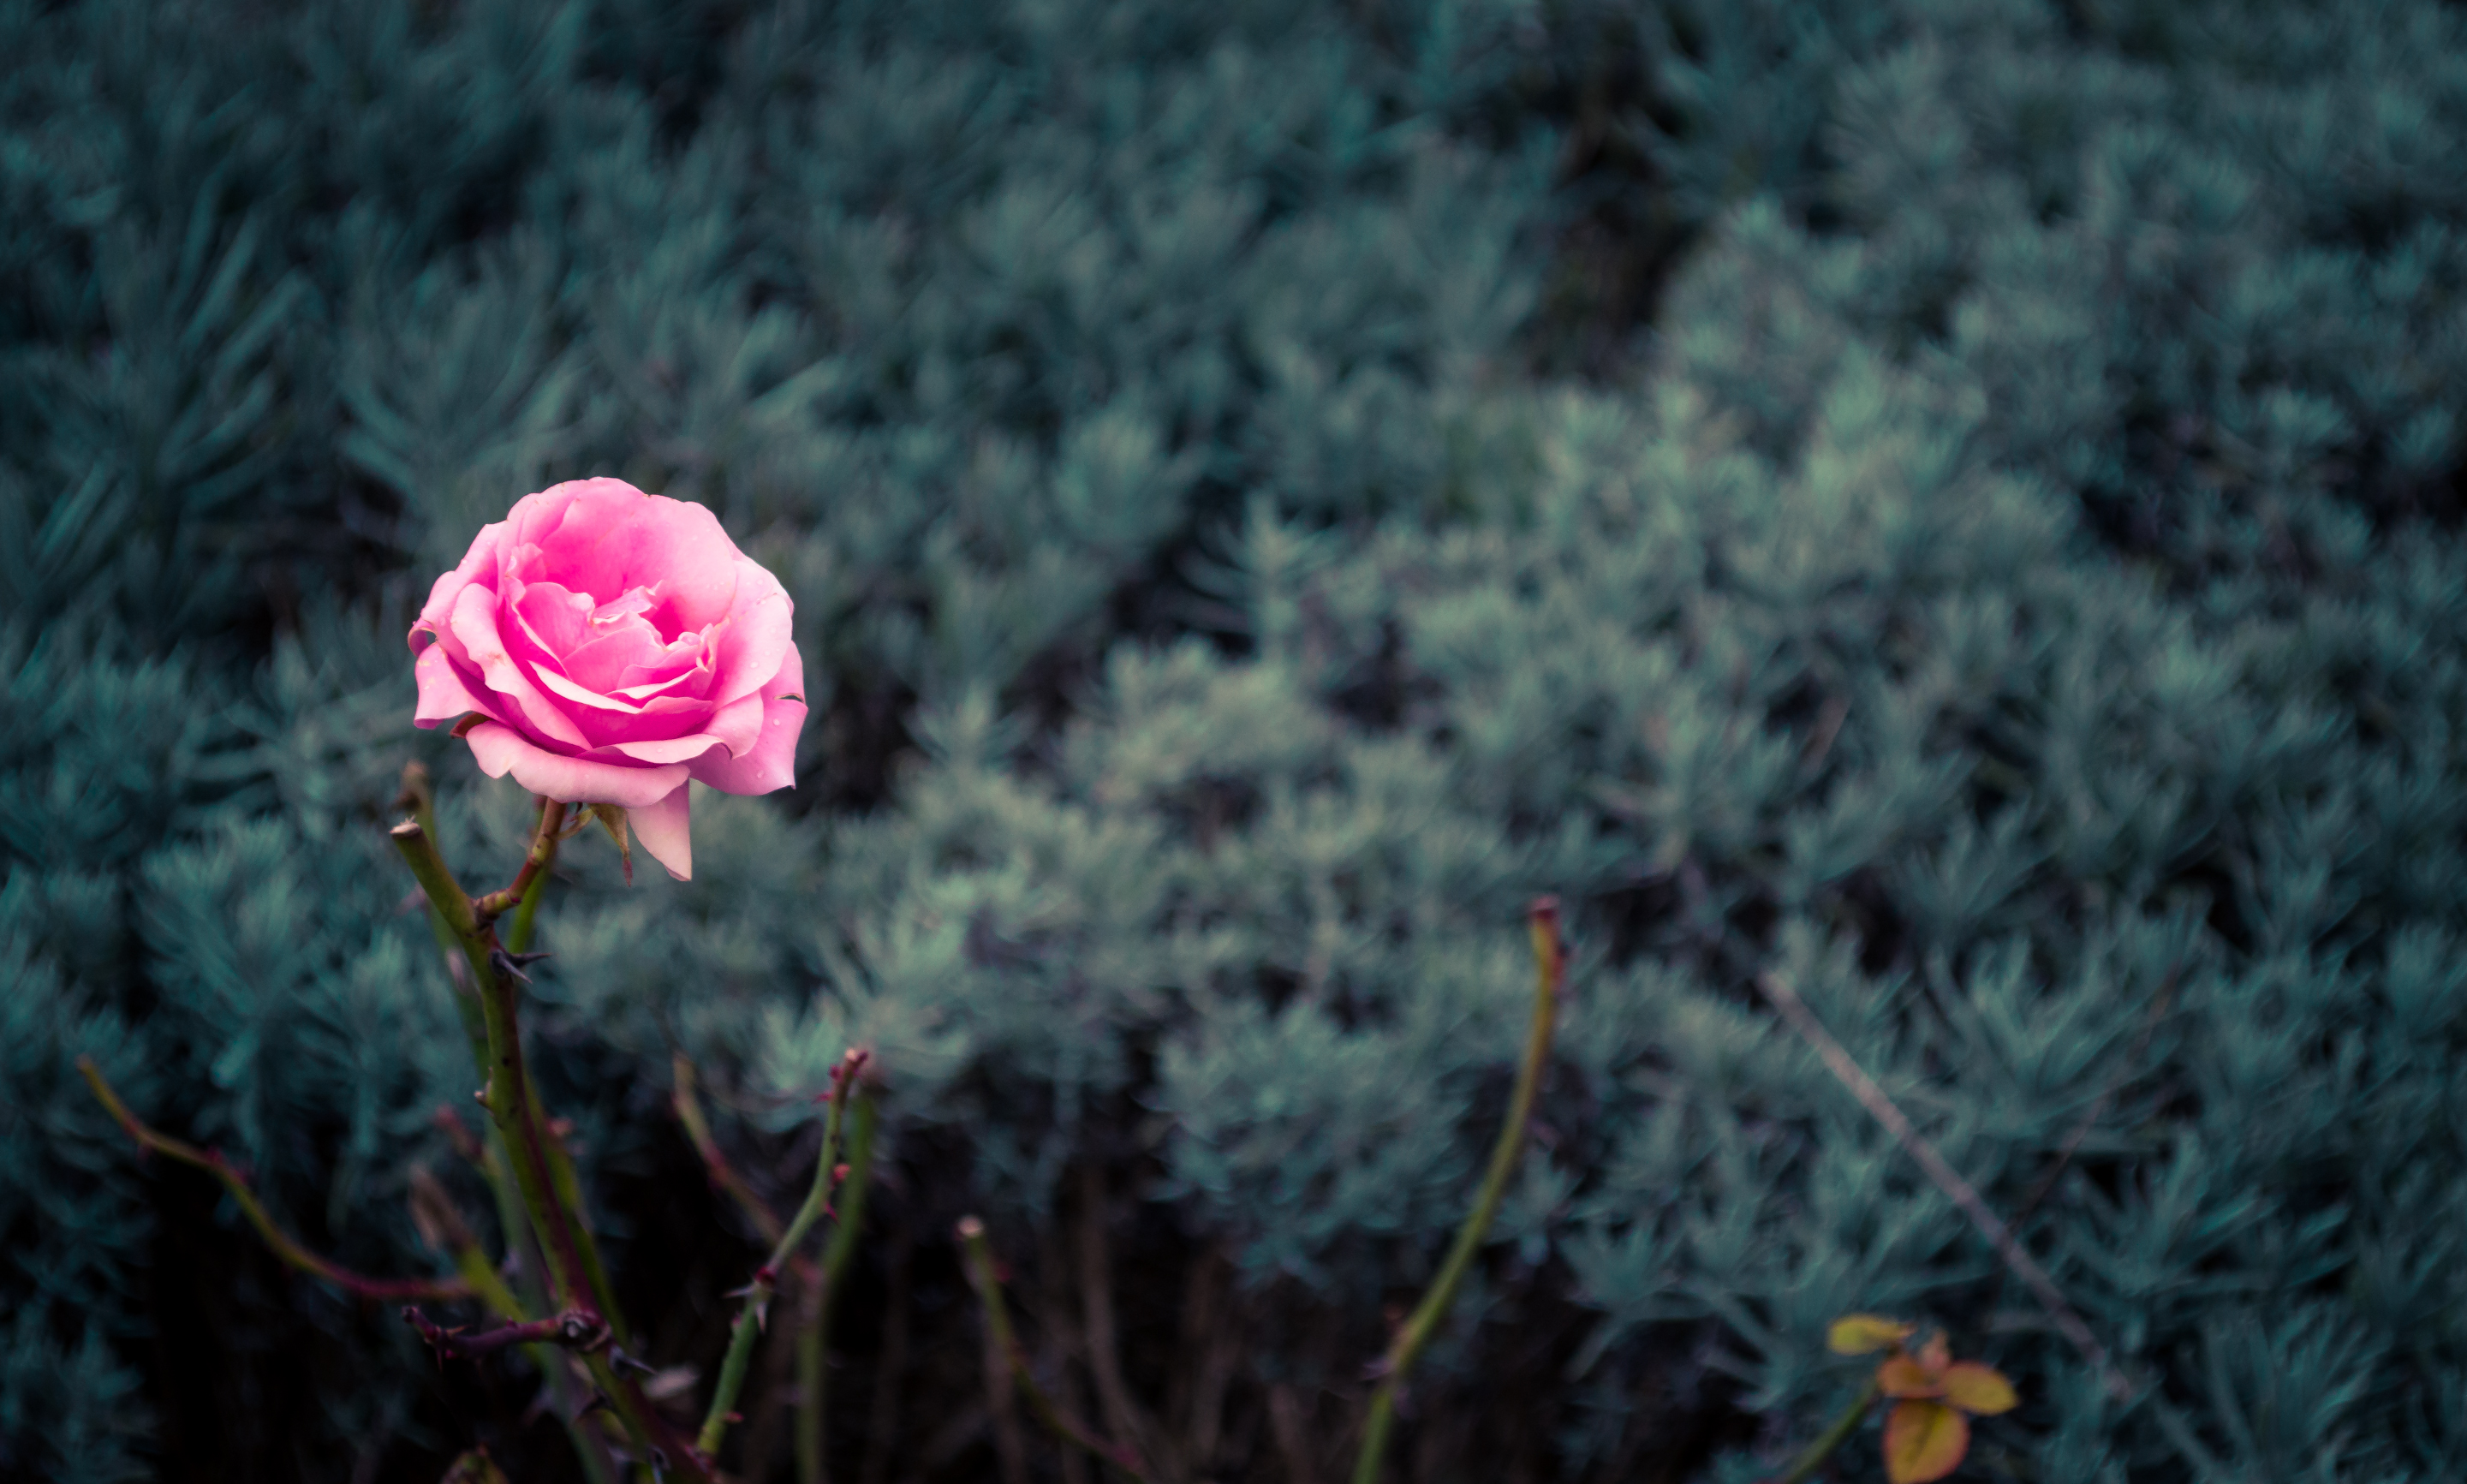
pixel 1951 500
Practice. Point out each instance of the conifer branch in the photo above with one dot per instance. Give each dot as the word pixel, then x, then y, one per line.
pixel 977 1256
pixel 1848 1072
pixel 281 1242
pixel 1550 973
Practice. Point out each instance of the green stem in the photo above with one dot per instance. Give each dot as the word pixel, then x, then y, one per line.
pixel 1550 965
pixel 837 1258
pixel 766 1278
pixel 562 1177
pixel 1848 1422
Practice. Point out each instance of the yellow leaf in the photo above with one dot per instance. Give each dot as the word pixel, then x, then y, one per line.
pixel 1859 1333
pixel 1924 1441
pixel 1976 1388
pixel 1903 1377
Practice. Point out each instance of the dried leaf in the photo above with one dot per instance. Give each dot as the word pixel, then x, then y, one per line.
pixel 1903 1377
pixel 1862 1334
pixel 1924 1441
pixel 612 819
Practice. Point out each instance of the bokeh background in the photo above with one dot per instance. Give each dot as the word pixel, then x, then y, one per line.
pixel 1951 500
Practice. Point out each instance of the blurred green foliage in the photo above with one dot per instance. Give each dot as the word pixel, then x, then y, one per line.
pixel 1952 502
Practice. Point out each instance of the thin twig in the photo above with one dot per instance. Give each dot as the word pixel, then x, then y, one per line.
pixel 1947 1180
pixel 724 1176
pixel 1122 1415
pixel 1550 973
pixel 2098 1110
pixel 212 1162
pixel 890 1361
pixel 1003 1350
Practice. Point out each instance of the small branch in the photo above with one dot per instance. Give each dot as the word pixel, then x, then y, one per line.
pixel 979 1259
pixel 212 1162
pixel 1097 1301
pixel 576 1329
pixel 1550 975
pixel 1959 1190
pixel 766 1278
pixel 535 862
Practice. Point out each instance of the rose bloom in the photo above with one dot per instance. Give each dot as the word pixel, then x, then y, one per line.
pixel 607 646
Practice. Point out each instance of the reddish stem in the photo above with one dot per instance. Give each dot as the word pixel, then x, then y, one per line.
pixel 212 1162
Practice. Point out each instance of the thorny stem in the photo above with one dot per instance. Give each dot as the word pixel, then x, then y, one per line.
pixel 513 1103
pixel 837 1258
pixel 576 1329
pixel 766 1278
pixel 978 1255
pixel 1834 1436
pixel 1852 1076
pixel 1550 973
pixel 441 1224
pixel 212 1162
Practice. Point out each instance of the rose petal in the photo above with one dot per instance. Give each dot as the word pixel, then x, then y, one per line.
pixel 500 750
pixel 584 695
pixel 693 679
pixel 536 517
pixel 756 634
pixel 475 624
pixel 478 562
pixel 443 692
pixel 659 719
pixel 554 617
pixel 666 830
pixel 604 659
pixel 771 763
pixel 669 750
pixel 614 538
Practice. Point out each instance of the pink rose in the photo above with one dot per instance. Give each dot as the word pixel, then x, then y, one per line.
pixel 606 646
